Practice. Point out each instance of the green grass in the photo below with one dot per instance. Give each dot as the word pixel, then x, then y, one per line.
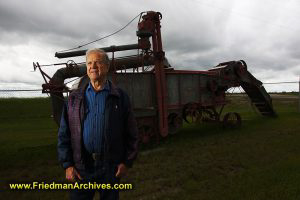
pixel 260 160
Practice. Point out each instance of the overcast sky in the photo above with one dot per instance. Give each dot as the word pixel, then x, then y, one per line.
pixel 197 34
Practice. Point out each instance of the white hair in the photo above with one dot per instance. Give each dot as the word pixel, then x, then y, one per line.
pixel 96 50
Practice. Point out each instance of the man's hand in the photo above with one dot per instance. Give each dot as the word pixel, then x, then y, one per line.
pixel 71 174
pixel 122 171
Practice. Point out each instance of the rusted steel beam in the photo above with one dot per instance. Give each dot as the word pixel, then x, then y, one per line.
pixel 161 89
pixel 191 72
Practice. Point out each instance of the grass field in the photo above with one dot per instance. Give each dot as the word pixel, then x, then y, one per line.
pixel 261 160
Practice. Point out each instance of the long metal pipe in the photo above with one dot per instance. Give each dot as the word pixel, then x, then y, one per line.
pixel 106 49
pixel 58 78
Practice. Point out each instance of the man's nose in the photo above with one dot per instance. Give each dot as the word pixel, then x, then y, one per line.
pixel 94 65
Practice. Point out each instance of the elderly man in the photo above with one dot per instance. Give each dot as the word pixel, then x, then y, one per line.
pixel 97 138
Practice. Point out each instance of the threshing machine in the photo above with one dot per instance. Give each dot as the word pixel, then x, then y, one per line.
pixel 161 96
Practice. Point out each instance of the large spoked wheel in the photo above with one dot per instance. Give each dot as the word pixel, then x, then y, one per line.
pixel 232 120
pixel 174 123
pixel 208 115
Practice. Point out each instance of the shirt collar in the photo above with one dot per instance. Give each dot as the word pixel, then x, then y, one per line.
pixel 106 86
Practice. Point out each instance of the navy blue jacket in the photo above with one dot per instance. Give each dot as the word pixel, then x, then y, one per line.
pixel 120 130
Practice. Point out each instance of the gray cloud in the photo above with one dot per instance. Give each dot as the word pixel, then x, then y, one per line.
pixel 196 34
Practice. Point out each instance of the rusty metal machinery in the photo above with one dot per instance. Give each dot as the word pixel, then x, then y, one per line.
pixel 169 96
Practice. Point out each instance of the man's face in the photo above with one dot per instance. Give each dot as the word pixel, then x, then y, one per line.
pixel 97 66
